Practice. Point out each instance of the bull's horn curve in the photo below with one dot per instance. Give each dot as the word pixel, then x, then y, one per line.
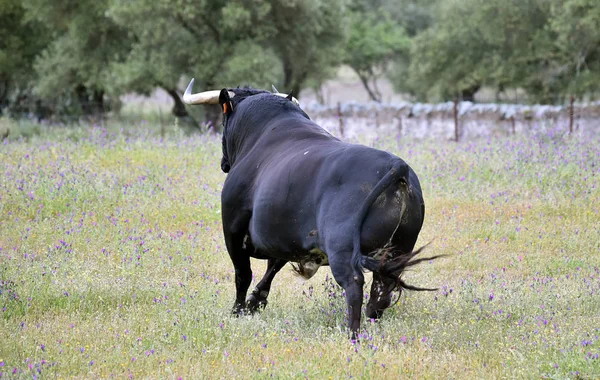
pixel 206 97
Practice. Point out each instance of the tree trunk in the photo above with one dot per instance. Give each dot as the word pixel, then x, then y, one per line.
pixel 98 105
pixel 468 95
pixel 3 95
pixel 292 83
pixel 373 95
pixel 288 75
pixel 213 117
pixel 90 101
pixel 180 112
pixel 319 94
pixel 178 109
pixel 81 92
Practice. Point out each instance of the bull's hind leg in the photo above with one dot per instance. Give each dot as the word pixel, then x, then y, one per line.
pixel 380 297
pixel 258 298
pixel 352 281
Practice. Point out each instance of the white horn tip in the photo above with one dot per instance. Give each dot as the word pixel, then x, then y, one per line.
pixel 188 92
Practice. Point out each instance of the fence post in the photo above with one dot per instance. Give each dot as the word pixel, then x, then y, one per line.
pixel 340 120
pixel 456 135
pixel 571 114
pixel 162 124
pixel 512 122
pixel 399 115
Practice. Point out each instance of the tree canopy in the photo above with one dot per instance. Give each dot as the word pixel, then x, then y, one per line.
pixel 65 57
pixel 73 70
pixel 374 42
pixel 549 48
pixel 21 41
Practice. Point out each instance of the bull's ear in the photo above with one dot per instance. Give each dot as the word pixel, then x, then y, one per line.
pixel 225 102
pixel 225 165
pixel 290 96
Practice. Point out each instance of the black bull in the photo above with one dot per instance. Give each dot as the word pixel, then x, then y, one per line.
pixel 296 194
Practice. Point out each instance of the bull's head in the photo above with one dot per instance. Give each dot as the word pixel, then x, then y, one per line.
pixel 228 100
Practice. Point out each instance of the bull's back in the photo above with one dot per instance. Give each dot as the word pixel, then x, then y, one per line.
pixel 308 194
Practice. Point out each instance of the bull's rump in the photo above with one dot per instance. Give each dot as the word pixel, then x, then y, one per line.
pixel 308 199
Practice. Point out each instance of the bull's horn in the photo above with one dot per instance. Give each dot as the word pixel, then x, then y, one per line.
pixel 206 97
pixel 275 92
pixel 294 100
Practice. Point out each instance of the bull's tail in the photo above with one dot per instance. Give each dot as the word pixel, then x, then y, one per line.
pixel 398 171
pixel 387 267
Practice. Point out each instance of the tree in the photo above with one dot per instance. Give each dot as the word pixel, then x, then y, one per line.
pixel 21 40
pixel 374 41
pixel 413 16
pixel 215 41
pixel 405 19
pixel 478 42
pixel 73 72
pixel 443 56
pixel 576 68
pixel 224 43
pixel 308 38
pixel 549 48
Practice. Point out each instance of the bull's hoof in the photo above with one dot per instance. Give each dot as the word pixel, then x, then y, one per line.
pixel 238 310
pixel 255 302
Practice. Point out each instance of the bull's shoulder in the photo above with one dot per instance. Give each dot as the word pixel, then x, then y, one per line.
pixel 238 183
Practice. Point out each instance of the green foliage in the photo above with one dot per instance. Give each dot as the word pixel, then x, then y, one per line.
pixel 21 39
pixel 73 69
pixel 395 22
pixel 200 39
pixel 374 41
pixel 308 39
pixel 576 24
pixel 226 43
pixel 94 51
pixel 473 43
pixel 64 57
pixel 413 16
pixel 548 48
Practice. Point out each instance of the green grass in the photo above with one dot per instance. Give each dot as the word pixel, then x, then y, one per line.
pixel 112 264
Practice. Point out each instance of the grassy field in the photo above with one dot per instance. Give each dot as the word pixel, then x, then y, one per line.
pixel 112 264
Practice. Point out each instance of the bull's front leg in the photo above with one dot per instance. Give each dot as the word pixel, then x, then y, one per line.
pixel 243 278
pixel 235 232
pixel 258 298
